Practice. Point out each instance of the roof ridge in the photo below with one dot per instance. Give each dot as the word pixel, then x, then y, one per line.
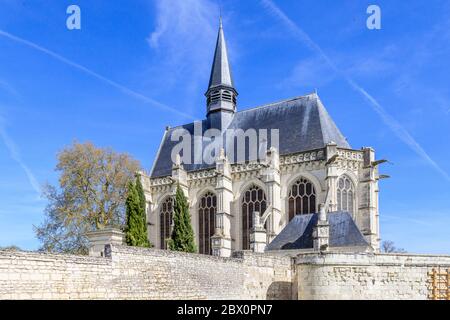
pixel 159 151
pixel 320 109
pixel 278 102
pixel 168 128
pixel 324 115
pixel 257 107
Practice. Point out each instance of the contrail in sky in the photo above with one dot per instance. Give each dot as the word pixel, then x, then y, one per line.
pixel 75 65
pixel 9 143
pixel 392 123
pixel 14 153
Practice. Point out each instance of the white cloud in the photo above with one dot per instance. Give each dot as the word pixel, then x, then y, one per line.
pixel 367 64
pixel 310 73
pixel 184 38
pixel 184 22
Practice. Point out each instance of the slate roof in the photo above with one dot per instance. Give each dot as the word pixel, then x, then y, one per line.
pixel 221 71
pixel 298 233
pixel 303 122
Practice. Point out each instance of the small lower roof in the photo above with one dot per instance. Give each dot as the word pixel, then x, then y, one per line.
pixel 298 234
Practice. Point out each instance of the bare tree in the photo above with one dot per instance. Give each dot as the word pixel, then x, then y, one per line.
pixel 11 248
pixel 389 247
pixel 90 196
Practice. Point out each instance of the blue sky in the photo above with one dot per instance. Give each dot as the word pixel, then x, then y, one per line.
pixel 115 81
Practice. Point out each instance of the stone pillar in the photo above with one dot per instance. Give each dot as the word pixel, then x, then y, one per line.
pixel 221 240
pixel 368 200
pixel 258 235
pixel 179 176
pixel 332 175
pixel 272 181
pixel 100 238
pixel 321 232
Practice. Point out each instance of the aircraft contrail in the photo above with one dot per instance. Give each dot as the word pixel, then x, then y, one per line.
pixel 75 65
pixel 388 120
pixel 12 149
pixel 9 143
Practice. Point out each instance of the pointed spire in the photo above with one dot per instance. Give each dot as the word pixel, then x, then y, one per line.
pixel 221 71
pixel 221 94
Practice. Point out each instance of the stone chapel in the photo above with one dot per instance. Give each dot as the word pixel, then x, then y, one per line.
pixel 310 191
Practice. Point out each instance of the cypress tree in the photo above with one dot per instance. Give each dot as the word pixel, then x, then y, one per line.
pixel 142 213
pixel 140 192
pixel 136 229
pixel 182 238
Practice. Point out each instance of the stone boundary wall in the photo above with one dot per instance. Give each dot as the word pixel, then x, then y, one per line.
pixel 268 276
pixel 365 276
pixel 138 273
pixel 32 275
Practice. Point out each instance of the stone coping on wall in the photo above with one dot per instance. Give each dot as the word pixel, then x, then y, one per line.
pixel 237 256
pixel 144 252
pixel 300 257
pixel 116 250
pixel 51 257
pixel 372 259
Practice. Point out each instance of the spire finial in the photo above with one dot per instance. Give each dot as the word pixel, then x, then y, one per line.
pixel 220 13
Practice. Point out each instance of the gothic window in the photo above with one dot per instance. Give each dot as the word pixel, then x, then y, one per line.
pixel 206 221
pixel 302 198
pixel 345 195
pixel 165 221
pixel 254 199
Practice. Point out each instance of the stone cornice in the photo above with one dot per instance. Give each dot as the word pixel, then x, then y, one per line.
pixel 309 160
pixel 302 157
pixel 348 154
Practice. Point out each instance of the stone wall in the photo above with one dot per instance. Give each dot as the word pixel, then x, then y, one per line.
pixel 268 276
pixel 30 275
pixel 365 276
pixel 137 273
